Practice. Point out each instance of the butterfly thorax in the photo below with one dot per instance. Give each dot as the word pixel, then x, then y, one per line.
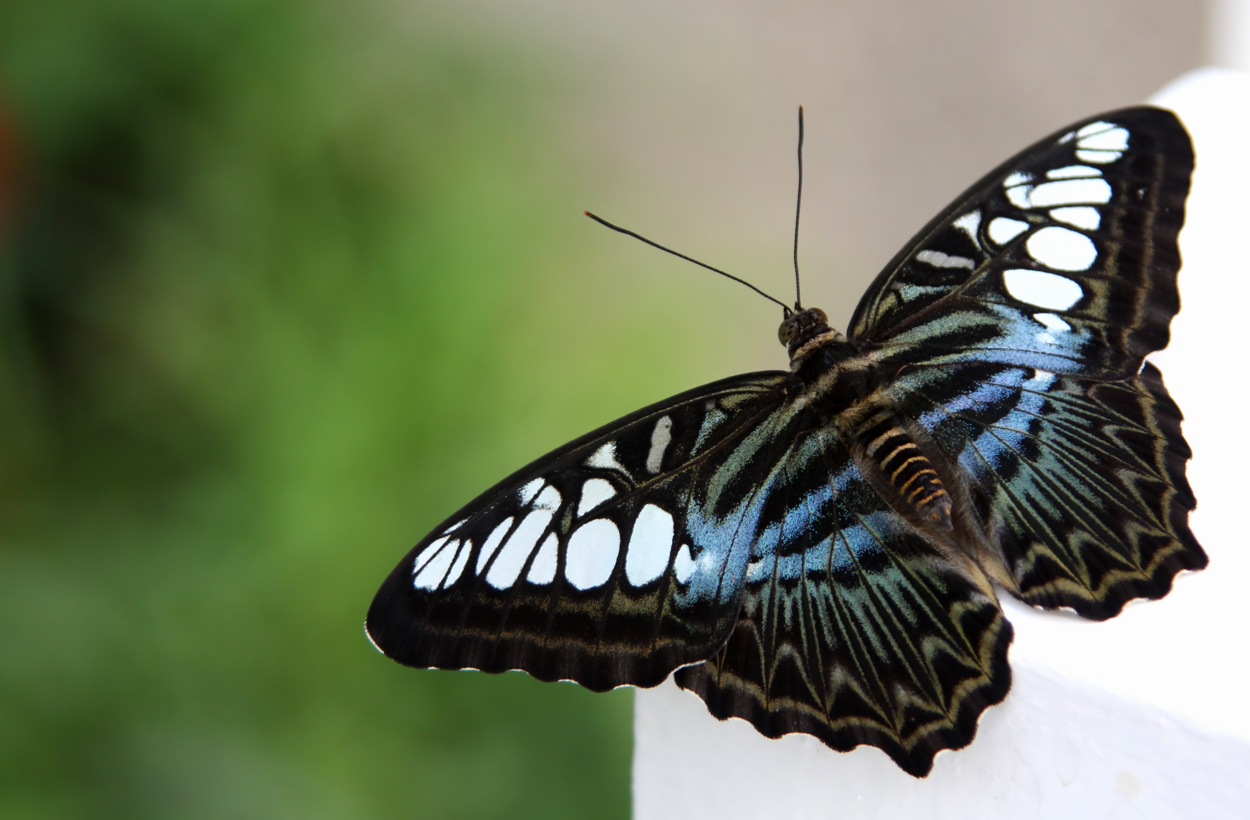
pixel 804 331
pixel 840 383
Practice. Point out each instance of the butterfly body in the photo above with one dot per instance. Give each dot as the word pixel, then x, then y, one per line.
pixel 817 550
pixel 837 389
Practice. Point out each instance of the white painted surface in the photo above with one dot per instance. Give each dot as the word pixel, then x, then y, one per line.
pixel 1056 748
pixel 1143 716
pixel 1228 33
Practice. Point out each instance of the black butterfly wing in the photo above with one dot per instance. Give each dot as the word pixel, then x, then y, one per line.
pixel 1079 485
pixel 724 523
pixel 1015 326
pixel 732 531
pixel 854 627
pixel 611 561
pixel 1063 258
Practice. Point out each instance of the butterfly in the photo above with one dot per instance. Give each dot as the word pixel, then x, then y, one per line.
pixel 821 550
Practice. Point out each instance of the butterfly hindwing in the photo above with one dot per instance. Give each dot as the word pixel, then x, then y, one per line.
pixel 1083 483
pixel 854 627
pixel 610 561
pixel 1064 258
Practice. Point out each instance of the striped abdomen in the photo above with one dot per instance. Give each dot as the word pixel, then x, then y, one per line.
pixel 906 468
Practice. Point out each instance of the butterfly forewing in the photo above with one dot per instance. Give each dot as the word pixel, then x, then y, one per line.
pixel 1064 258
pixel 610 561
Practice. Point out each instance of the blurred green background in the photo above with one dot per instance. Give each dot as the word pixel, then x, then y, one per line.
pixel 283 284
pixel 270 284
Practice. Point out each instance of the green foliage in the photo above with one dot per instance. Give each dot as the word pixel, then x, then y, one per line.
pixel 267 300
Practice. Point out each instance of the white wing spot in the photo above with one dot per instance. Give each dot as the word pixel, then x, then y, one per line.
pixel 660 438
pixel 529 491
pixel 1062 249
pixel 511 559
pixel 594 492
pixel 650 546
pixel 543 569
pixel 1101 142
pixel 1070 192
pixel 1017 186
pixel 683 564
pixel 457 569
pixel 941 260
pixel 426 554
pixel 1019 196
pixel 605 459
pixel 1073 172
pixel 969 223
pixel 1102 136
pixel 1101 157
pixel 591 554
pixel 492 543
pixel 1052 322
pixel 1046 290
pixel 459 523
pixel 1041 379
pixel 431 565
pixel 1082 216
pixel 1003 230
pixel 548 499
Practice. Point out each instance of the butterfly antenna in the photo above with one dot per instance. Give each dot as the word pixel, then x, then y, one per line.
pixel 798 206
pixel 619 229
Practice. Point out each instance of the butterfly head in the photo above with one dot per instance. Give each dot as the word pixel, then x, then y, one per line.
pixel 805 329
